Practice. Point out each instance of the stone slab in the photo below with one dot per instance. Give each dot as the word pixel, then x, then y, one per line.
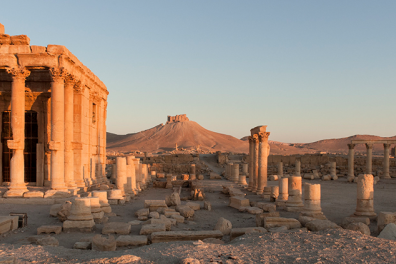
pixel 48 229
pixel 170 236
pixel 236 232
pixel 116 228
pixel 127 241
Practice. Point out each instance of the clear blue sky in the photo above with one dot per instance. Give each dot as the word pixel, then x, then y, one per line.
pixel 309 70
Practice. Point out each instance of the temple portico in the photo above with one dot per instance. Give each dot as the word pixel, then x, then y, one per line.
pixel 53 113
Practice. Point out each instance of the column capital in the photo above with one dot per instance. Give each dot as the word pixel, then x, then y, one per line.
pixel 79 88
pixel 94 96
pixel 18 73
pixel 369 145
pixel 351 146
pixel 263 136
pixel 58 74
pixel 255 138
pixel 387 145
pixel 70 80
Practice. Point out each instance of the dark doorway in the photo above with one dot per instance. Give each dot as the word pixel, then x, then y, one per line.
pixel 31 140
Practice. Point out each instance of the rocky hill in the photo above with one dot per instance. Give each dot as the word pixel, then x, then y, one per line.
pixel 180 131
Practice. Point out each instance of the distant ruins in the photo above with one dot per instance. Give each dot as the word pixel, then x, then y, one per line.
pixel 177 118
pixel 53 109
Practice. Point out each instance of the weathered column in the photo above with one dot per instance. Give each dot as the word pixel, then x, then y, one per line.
pixel 131 163
pixel 351 162
pixel 255 163
pixel 245 168
pixel 235 173
pixel 17 144
pixel 121 174
pixel 312 201
pixel 56 144
pixel 251 162
pixel 369 160
pixel 69 155
pixel 365 196
pixel 262 161
pixel 192 169
pixel 145 174
pixel 294 203
pixel 283 189
pixel 280 169
pixel 386 161
pixel 298 166
pixel 137 175
pixel 333 169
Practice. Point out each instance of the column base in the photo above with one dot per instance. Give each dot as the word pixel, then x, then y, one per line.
pixel 14 193
pixel 259 192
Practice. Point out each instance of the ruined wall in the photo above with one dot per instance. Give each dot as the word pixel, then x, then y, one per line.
pixel 177 118
pixel 176 163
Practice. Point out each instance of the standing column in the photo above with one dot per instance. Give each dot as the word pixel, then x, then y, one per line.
pixel 386 161
pixel 262 161
pixel 280 169
pixel 365 196
pixel 56 144
pixel 251 162
pixel 121 180
pixel 69 155
pixel 298 167
pixel 351 162
pixel 235 173
pixel 255 163
pixel 369 168
pixel 17 144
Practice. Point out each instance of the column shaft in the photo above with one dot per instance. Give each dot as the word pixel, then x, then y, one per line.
pixel 17 144
pixel 369 169
pixel 57 130
pixel 255 162
pixel 69 155
pixel 262 161
pixel 386 161
pixel 251 162
pixel 351 162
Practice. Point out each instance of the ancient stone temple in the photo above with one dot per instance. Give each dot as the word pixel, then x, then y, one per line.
pixel 53 118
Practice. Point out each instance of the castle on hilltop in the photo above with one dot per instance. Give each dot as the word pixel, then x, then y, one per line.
pixel 177 118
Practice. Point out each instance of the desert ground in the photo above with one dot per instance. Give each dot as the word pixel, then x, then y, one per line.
pixel 338 201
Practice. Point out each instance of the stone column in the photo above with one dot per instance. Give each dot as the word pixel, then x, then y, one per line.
pixel 251 162
pixel 365 196
pixel 262 161
pixel 245 168
pixel 17 144
pixel 235 173
pixel 298 167
pixel 369 160
pixel 255 162
pixel 137 176
pixel 69 155
pixel 351 162
pixel 56 145
pixel 283 189
pixel 312 206
pixel 280 169
pixel 192 169
pixel 295 202
pixel 131 163
pixel 121 174
pixel 333 169
pixel 386 161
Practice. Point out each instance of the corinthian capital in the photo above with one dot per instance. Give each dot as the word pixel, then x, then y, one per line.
pixel 263 136
pixel 70 80
pixel 255 138
pixel 351 146
pixel 19 73
pixel 369 146
pixel 58 74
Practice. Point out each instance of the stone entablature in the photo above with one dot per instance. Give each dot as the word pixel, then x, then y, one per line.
pixel 177 118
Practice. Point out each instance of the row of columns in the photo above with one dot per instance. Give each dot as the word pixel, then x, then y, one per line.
pixel 369 159
pixel 258 151
pixel 61 142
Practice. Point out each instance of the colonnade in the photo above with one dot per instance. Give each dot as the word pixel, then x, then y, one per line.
pixel 369 156
pixel 61 174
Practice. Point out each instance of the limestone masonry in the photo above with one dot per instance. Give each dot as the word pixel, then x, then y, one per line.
pixel 53 118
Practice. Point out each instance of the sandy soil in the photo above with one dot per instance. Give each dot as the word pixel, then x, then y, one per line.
pixel 337 246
